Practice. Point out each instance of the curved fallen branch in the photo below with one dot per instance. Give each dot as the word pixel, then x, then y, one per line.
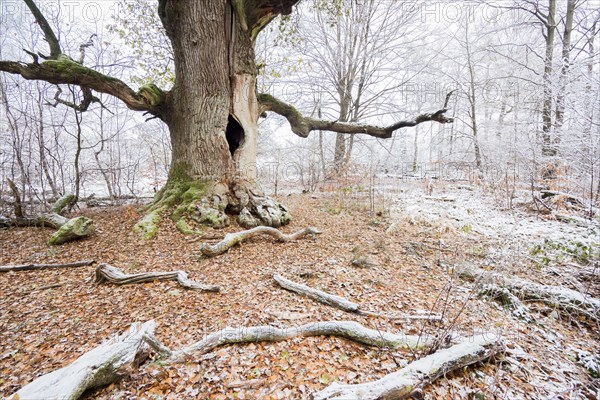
pixel 231 239
pixel 30 267
pixel 315 294
pixel 565 299
pixel 412 378
pixel 346 329
pixel 108 273
pixel 98 367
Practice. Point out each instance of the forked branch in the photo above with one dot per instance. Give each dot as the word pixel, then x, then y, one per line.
pixel 61 69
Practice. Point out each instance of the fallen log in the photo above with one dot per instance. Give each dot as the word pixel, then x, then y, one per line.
pixel 568 300
pixel 98 367
pixel 30 267
pixel 340 302
pixel 315 294
pixel 231 239
pixel 416 375
pixel 108 273
pixel 67 229
pixel 346 329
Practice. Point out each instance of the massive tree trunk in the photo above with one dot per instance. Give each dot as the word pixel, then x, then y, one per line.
pixel 213 118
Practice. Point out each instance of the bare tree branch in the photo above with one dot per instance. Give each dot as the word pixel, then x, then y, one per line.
pixel 49 35
pixel 302 126
pixel 64 70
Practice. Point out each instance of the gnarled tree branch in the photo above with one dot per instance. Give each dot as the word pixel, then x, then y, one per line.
pixel 61 69
pixel 231 239
pixel 108 273
pixel 302 125
pixel 32 267
pixel 64 70
pixel 346 329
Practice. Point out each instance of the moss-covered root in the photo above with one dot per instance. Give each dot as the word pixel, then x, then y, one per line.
pixel 76 228
pixel 147 227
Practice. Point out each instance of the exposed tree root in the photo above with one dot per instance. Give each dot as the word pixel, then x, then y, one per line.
pixel 411 379
pixel 30 267
pixel 346 329
pixel 315 294
pixel 565 299
pixel 98 367
pixel 231 239
pixel 108 273
pixel 67 229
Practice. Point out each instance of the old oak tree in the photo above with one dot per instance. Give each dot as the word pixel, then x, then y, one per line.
pixel 211 112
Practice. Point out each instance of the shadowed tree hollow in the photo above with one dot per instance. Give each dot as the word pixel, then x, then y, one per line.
pixel 211 112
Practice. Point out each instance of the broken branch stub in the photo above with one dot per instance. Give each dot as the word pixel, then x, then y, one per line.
pixel 412 378
pixel 108 273
pixel 231 239
pixel 98 367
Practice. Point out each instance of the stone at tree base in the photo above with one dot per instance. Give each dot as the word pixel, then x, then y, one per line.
pixel 76 228
pixel 211 212
pixel 247 220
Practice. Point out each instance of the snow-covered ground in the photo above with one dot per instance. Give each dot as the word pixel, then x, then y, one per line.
pixel 471 212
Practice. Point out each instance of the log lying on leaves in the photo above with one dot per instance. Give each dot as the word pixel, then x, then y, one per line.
pixel 108 273
pixel 30 267
pixel 315 294
pixel 98 367
pixel 412 378
pixel 341 302
pixel 346 329
pixel 67 229
pixel 231 239
pixel 568 300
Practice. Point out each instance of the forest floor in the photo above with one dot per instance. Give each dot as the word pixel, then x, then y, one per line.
pixel 410 244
